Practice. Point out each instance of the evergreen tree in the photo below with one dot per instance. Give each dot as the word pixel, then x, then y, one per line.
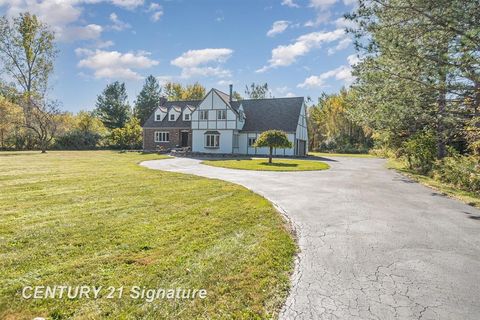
pixel 112 107
pixel 148 99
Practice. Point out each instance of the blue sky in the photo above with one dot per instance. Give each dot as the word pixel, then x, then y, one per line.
pixel 298 47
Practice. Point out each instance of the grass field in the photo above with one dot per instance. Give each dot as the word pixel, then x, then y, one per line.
pixel 468 197
pixel 351 155
pixel 263 165
pixel 100 219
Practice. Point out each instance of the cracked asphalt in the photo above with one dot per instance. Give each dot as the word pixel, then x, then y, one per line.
pixel 373 244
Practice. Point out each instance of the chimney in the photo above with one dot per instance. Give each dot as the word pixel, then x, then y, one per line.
pixel 231 92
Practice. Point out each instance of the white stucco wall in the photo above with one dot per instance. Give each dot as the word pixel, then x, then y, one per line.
pixel 198 141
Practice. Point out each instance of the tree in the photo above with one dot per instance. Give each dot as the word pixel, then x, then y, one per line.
pixel 10 117
pixel 175 91
pixel 128 137
pixel 420 67
pixel 273 139
pixel 112 107
pixel 332 127
pixel 27 54
pixel 148 99
pixel 237 96
pixel 193 92
pixel 43 121
pixel 258 91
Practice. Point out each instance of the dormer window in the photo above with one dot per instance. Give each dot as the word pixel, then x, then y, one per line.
pixel 186 117
pixel 158 117
pixel 222 114
pixel 172 117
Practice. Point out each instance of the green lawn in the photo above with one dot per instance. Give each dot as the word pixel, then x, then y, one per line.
pixel 263 165
pixel 465 196
pixel 351 155
pixel 100 219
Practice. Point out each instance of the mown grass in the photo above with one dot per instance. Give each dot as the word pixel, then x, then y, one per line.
pixel 263 165
pixel 100 219
pixel 469 198
pixel 350 155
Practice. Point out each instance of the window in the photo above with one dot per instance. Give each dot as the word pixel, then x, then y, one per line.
pixel 241 115
pixel 186 117
pixel 172 117
pixel 158 117
pixel 162 136
pixel 203 114
pixel 251 141
pixel 222 114
pixel 212 140
pixel 235 140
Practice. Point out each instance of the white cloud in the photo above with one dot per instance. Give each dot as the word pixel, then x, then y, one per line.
pixel 63 16
pixel 322 4
pixel 157 11
pixel 342 44
pixel 88 32
pixel 290 94
pixel 127 4
pixel 104 44
pixel 343 73
pixel 118 24
pixel 278 27
pixel 290 3
pixel 204 62
pixel 353 59
pixel 285 55
pixel 114 64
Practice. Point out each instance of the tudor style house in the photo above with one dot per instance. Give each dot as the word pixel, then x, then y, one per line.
pixel 219 124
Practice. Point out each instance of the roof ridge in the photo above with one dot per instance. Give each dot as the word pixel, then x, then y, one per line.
pixel 271 98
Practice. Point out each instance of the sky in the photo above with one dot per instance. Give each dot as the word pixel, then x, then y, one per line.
pixel 299 47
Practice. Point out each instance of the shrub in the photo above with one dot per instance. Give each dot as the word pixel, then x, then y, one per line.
pixel 462 172
pixel 78 140
pixel 128 137
pixel 420 152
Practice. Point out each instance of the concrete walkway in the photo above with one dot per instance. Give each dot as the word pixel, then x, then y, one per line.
pixel 374 245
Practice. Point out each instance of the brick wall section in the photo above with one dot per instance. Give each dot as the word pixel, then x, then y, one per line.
pixel 149 143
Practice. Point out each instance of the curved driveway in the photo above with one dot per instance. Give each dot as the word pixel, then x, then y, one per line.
pixel 374 245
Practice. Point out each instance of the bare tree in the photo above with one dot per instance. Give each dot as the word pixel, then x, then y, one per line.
pixel 43 121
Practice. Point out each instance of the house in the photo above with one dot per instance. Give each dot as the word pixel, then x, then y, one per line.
pixel 219 124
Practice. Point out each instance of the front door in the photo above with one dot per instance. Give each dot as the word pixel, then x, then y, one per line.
pixel 184 140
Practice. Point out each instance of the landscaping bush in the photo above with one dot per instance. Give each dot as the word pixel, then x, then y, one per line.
pixel 462 172
pixel 420 152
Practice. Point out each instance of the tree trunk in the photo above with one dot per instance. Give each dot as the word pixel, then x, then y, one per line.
pixel 270 155
pixel 441 150
pixel 1 139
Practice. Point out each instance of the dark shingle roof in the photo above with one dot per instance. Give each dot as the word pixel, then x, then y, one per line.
pixel 151 123
pixel 268 114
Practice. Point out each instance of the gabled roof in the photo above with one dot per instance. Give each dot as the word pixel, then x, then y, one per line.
pixel 267 114
pixel 166 106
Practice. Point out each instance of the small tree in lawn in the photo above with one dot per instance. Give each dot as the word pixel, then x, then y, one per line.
pixel 273 139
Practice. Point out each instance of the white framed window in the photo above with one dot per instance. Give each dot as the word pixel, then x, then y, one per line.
pixel 235 140
pixel 251 142
pixel 158 117
pixel 221 114
pixel 212 140
pixel 186 117
pixel 203 114
pixel 162 136
pixel 172 117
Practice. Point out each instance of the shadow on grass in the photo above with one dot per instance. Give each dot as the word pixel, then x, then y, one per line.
pixel 279 164
pixel 18 153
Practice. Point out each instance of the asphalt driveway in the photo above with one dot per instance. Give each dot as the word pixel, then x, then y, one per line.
pixel 374 245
